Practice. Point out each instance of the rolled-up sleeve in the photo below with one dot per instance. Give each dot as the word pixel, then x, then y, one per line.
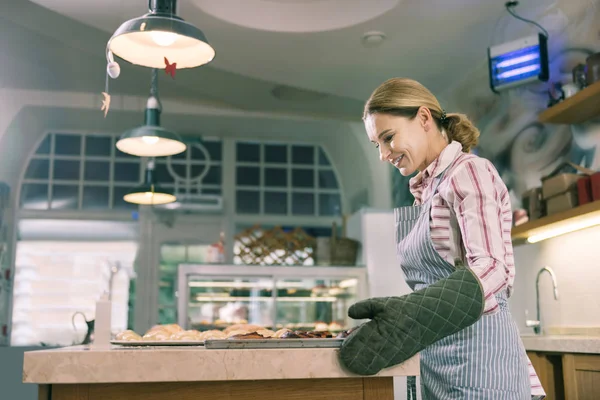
pixel 480 204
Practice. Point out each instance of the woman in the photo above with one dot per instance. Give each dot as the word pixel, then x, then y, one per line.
pixel 468 341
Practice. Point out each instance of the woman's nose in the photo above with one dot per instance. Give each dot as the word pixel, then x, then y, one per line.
pixel 383 153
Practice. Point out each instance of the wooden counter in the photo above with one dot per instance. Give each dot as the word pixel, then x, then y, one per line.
pixel 149 373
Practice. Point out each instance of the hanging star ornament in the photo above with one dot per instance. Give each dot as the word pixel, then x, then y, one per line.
pixel 170 68
pixel 105 103
pixel 113 70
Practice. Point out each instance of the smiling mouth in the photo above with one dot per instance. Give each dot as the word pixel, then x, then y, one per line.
pixel 397 160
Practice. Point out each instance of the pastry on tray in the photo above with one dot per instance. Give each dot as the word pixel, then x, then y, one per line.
pixel 334 326
pixel 128 335
pixel 246 336
pixel 242 327
pixel 213 334
pixel 191 335
pixel 281 332
pixel 306 335
pixel 321 326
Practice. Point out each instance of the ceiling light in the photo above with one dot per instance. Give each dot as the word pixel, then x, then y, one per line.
pixel 150 139
pixel 160 34
pixel 373 38
pixel 148 193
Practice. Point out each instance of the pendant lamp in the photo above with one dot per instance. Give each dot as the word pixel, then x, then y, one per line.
pixel 148 193
pixel 150 139
pixel 160 34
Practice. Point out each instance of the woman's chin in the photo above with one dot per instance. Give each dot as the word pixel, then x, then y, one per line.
pixel 406 171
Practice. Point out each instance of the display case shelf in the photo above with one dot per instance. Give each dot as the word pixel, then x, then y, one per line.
pixel 280 296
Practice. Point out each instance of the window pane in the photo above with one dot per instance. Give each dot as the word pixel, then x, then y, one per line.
pixel 213 177
pixel 303 178
pixel 34 196
pixel 303 154
pixel 247 202
pixel 95 198
pixel 37 169
pixel 275 203
pixel 179 170
pixel 65 197
pixel 276 153
pixel 197 153
pixel 66 169
pixel 329 204
pixel 323 160
pixel 98 145
pixel 44 147
pixel 215 149
pixel 211 191
pixel 276 177
pixel 249 152
pixel 327 180
pixel 118 202
pixel 303 204
pixel 67 144
pixel 127 172
pixel 97 171
pixel 162 174
pixel 197 170
pixel 248 176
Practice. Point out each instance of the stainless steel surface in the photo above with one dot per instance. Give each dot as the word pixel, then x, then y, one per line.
pixel 273 343
pixel 537 324
pixel 137 343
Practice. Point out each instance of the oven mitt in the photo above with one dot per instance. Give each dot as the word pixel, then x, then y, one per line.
pixel 400 327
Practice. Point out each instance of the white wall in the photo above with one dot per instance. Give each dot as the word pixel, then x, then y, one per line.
pixel 575 258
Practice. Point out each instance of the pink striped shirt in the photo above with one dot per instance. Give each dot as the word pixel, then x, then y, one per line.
pixel 471 219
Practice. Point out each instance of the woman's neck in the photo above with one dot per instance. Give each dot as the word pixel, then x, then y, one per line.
pixel 437 144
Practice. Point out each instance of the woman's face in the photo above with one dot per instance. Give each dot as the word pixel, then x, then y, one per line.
pixel 403 142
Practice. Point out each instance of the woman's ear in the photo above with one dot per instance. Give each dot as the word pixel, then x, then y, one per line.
pixel 424 116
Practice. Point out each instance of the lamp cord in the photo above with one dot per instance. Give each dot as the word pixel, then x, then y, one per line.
pixel 154 83
pixel 509 7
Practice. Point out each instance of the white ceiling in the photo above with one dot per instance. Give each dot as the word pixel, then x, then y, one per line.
pixel 316 44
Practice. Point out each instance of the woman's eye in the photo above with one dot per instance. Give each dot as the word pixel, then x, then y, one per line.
pixel 389 138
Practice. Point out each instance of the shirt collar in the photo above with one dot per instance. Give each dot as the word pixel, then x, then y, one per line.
pixel 439 165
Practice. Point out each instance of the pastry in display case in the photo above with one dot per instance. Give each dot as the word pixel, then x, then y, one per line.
pixel 305 299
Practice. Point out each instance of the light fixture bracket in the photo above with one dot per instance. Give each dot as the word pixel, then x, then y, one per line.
pixel 163 7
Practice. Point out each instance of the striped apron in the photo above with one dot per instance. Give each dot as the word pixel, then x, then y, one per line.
pixel 486 360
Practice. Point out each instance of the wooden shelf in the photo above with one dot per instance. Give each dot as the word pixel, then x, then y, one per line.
pixel 581 107
pixel 520 233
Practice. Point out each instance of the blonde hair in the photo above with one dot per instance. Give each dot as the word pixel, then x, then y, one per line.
pixel 403 97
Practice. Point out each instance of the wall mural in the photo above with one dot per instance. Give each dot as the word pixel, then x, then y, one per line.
pixel 522 149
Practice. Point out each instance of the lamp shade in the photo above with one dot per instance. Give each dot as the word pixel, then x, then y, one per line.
pixel 148 39
pixel 150 139
pixel 148 193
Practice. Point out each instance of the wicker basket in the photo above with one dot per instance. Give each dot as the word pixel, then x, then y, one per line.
pixel 335 251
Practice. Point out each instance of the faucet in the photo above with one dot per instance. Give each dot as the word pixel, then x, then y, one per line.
pixel 537 324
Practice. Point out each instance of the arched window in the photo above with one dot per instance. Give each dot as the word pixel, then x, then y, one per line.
pixel 285 179
pixel 75 171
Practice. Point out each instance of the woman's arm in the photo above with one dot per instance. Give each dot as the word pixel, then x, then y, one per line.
pixel 481 203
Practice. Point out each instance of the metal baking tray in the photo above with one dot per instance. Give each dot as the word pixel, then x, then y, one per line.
pixel 138 343
pixel 272 343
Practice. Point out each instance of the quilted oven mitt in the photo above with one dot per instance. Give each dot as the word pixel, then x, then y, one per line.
pixel 400 327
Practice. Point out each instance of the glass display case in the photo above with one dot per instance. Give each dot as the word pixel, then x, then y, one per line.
pixel 306 298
